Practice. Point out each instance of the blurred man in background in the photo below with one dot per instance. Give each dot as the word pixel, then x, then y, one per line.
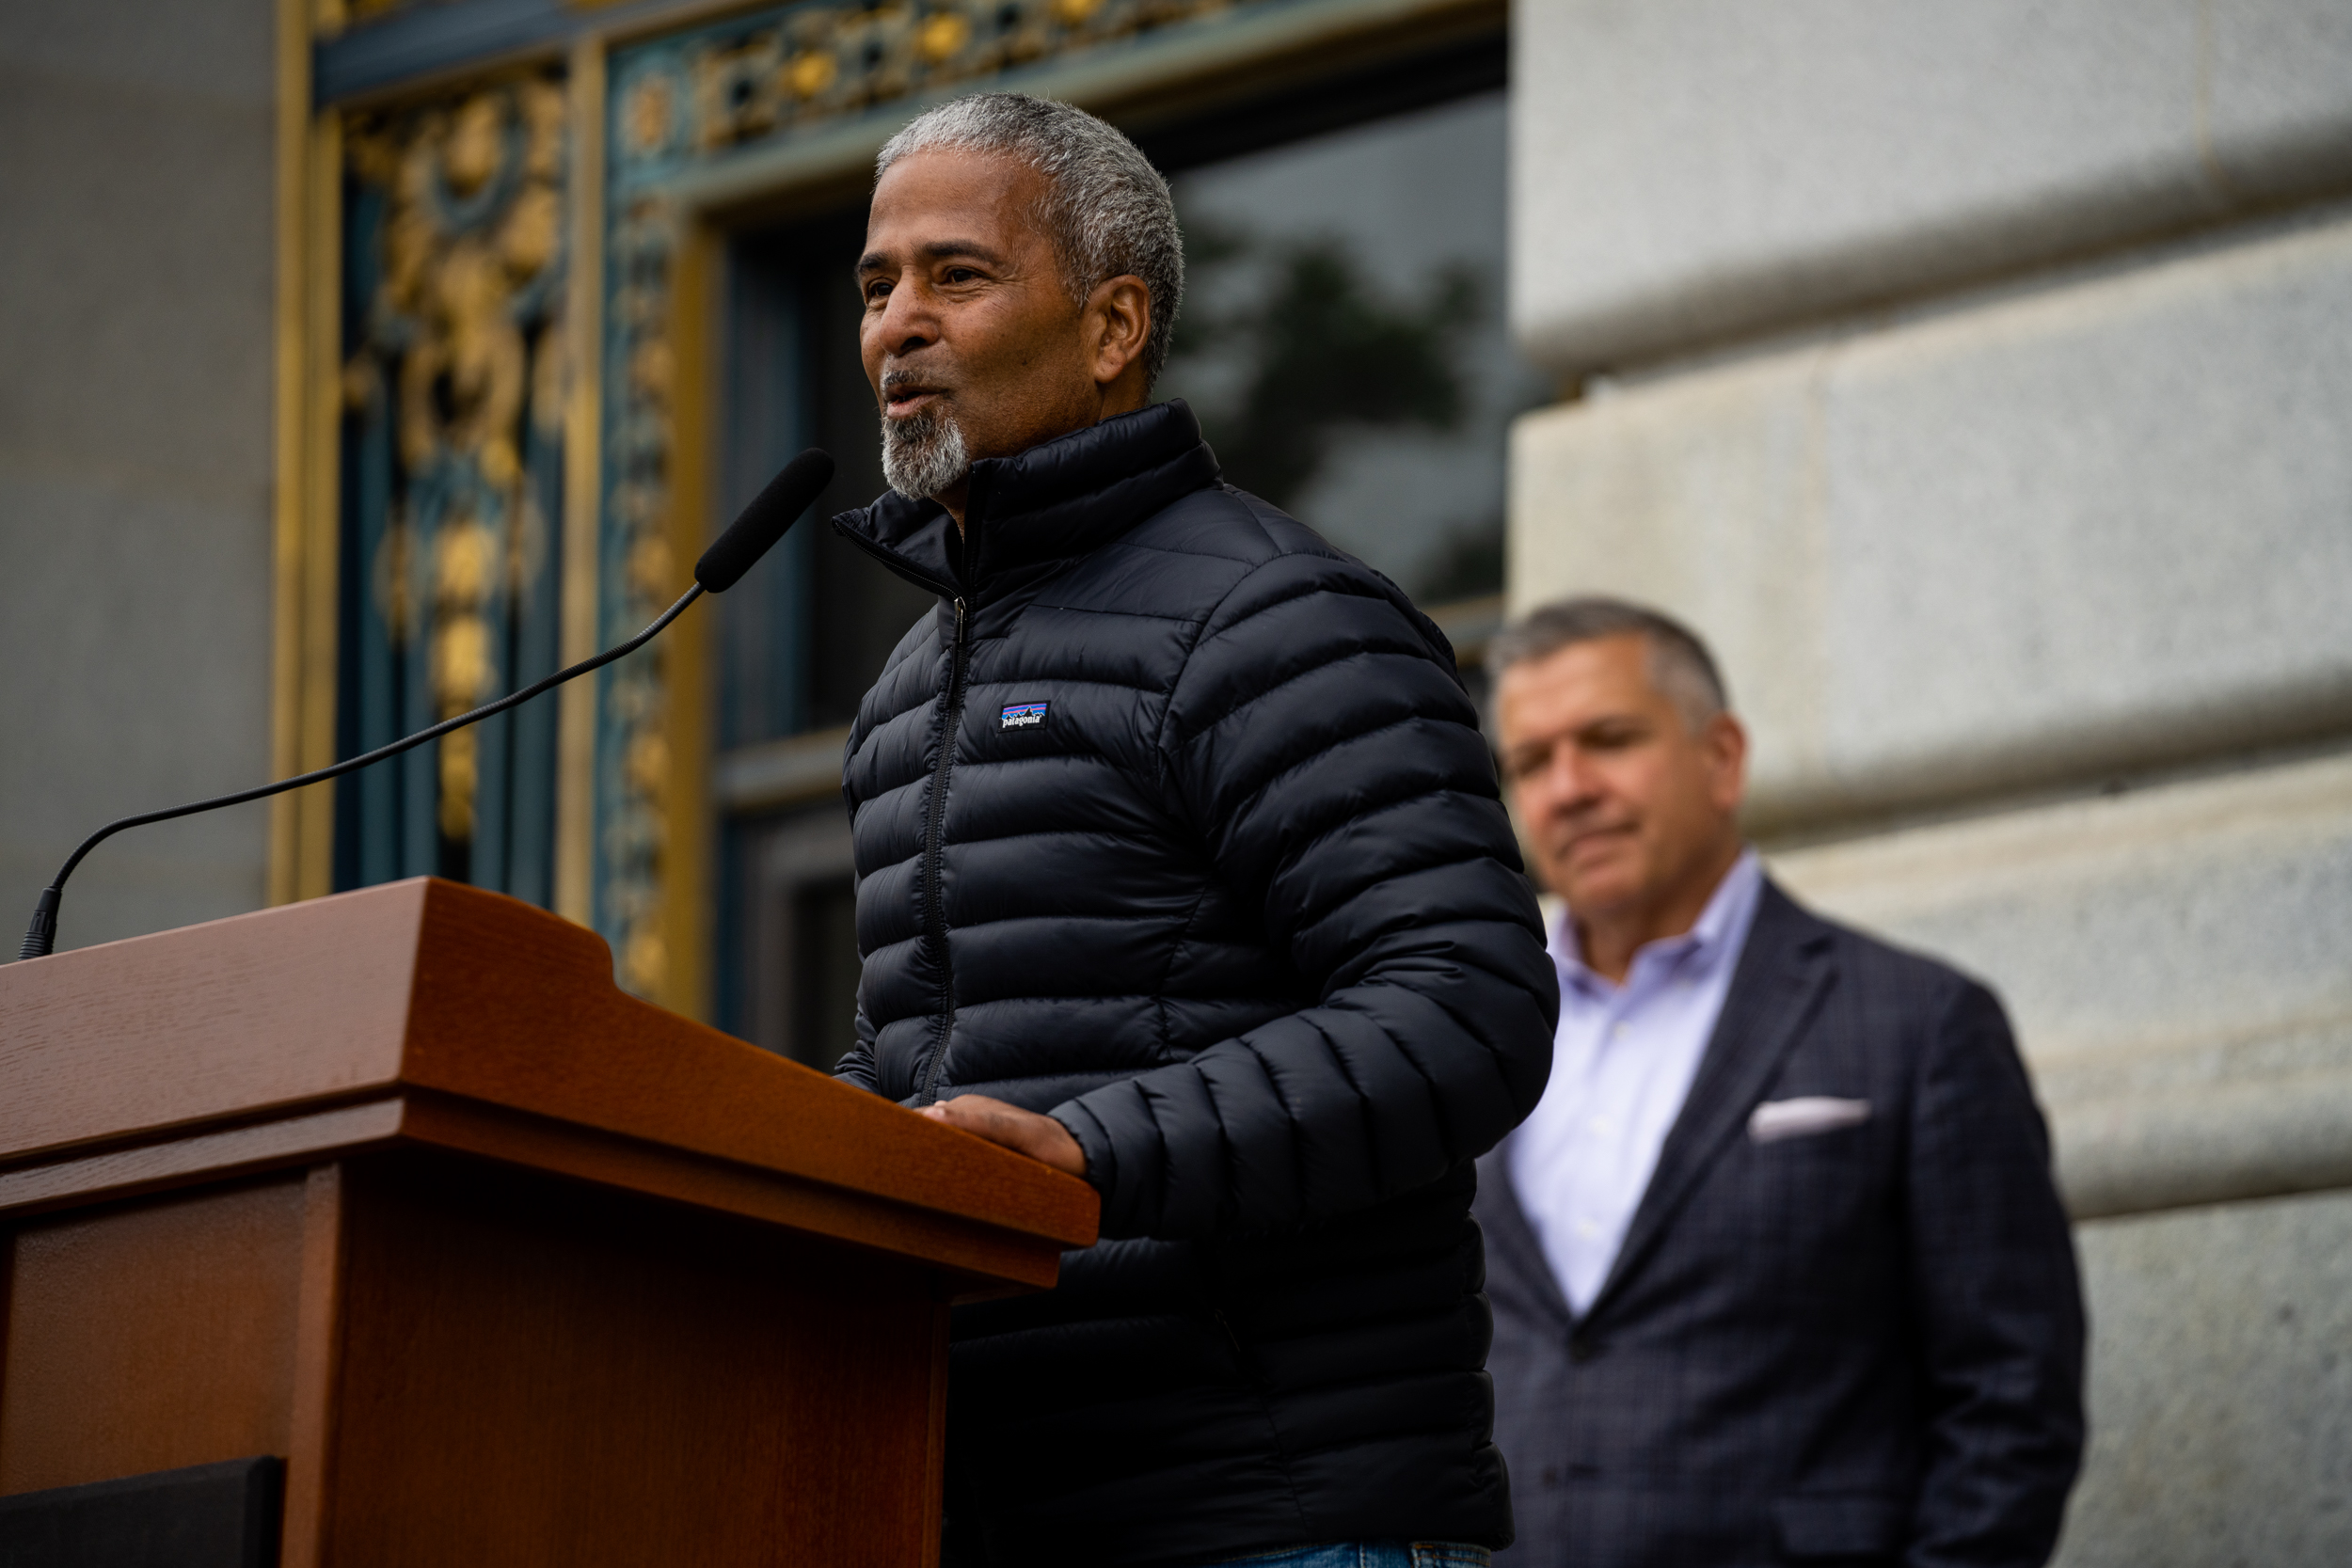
pixel 1778 1269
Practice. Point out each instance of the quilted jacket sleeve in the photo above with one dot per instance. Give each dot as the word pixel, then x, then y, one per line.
pixel 857 1063
pixel 1334 769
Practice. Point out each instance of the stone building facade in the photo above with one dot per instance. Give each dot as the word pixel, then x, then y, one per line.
pixel 138 407
pixel 1974 376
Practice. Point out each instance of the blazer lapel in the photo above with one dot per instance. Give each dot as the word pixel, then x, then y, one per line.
pixel 1511 1239
pixel 1784 972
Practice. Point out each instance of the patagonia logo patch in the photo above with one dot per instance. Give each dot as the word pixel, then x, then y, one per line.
pixel 1021 716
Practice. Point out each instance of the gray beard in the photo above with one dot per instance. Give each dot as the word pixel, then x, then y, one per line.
pixel 923 454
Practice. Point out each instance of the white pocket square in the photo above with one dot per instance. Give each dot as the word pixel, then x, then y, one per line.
pixel 1777 1119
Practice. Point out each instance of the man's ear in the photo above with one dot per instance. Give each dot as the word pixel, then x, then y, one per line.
pixel 1726 744
pixel 1119 324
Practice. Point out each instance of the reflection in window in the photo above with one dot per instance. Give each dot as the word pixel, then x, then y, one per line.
pixel 1344 339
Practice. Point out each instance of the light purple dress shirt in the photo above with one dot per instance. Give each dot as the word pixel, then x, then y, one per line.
pixel 1621 1067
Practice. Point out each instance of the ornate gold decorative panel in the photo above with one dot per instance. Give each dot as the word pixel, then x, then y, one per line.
pixel 453 389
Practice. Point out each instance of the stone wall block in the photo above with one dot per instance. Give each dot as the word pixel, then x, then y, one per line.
pixel 2220 1390
pixel 2054 534
pixel 137 420
pixel 136 286
pixel 2279 83
pixel 2173 960
pixel 1697 169
pixel 142 623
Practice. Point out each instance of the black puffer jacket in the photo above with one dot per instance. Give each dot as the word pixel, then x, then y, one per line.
pixel 1222 884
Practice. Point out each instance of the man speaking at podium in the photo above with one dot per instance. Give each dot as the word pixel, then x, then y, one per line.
pixel 1181 869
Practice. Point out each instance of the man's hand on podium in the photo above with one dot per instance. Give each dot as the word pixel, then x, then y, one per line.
pixel 1042 1139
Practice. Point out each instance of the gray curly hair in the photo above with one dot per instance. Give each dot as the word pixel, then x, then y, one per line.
pixel 1106 209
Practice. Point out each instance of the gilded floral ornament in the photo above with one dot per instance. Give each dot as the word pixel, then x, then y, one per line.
pixel 638 574
pixel 743 81
pixel 453 384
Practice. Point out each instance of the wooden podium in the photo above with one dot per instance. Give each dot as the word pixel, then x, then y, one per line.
pixel 507 1267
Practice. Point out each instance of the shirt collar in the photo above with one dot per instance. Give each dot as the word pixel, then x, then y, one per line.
pixel 1722 928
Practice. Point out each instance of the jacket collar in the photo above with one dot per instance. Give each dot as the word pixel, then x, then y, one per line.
pixel 1058 500
pixel 1512 1242
pixel 1785 970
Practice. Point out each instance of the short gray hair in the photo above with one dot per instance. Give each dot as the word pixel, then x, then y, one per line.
pixel 1680 664
pixel 1106 209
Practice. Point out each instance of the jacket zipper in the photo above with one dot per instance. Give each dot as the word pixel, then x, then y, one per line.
pixel 934 836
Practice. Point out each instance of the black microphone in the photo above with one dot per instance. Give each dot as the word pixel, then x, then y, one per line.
pixel 749 537
pixel 763 522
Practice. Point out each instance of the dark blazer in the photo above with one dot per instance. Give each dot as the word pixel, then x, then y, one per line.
pixel 1863 1344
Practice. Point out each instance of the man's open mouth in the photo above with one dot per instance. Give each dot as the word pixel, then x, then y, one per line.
pixel 899 401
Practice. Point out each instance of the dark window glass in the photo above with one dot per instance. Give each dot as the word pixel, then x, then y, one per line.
pixel 825 972
pixel 807 632
pixel 1343 337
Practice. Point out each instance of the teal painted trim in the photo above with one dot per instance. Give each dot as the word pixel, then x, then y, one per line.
pixel 639 240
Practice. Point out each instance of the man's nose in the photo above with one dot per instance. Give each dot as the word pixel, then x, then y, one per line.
pixel 907 321
pixel 1570 778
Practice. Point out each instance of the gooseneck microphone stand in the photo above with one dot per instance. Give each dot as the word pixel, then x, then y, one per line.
pixel 762 523
pixel 41 937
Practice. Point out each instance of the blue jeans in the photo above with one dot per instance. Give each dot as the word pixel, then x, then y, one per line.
pixel 1372 1554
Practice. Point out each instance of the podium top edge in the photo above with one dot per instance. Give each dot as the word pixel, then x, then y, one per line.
pixel 431 985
